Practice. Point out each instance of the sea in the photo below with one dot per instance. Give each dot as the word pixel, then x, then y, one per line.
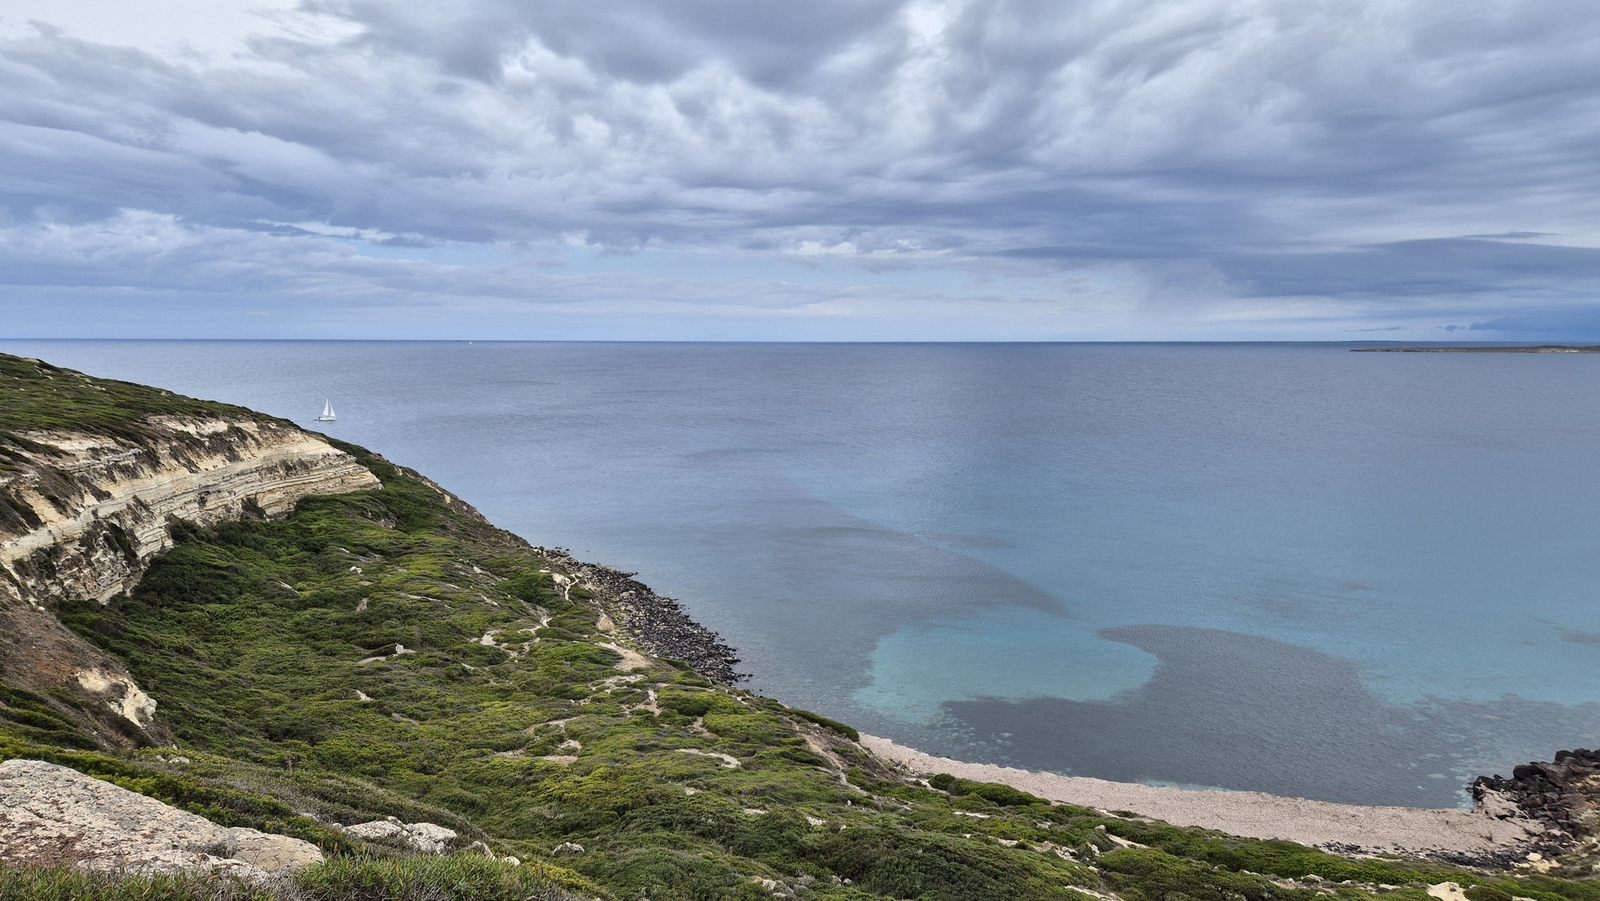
pixel 1358 577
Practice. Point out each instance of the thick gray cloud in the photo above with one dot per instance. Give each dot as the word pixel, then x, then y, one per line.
pixel 1108 168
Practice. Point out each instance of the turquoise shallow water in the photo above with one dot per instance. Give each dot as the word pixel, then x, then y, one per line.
pixel 1292 568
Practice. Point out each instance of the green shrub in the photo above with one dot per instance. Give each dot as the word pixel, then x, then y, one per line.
pixel 826 723
pixel 457 877
pixel 689 704
pixel 60 884
pixel 454 878
pixel 1150 875
pixel 993 792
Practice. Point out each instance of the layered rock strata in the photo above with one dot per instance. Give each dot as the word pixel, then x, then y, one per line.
pixel 82 514
pixel 85 513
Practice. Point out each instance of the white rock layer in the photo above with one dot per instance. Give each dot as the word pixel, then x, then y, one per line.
pixel 92 510
pixel 92 483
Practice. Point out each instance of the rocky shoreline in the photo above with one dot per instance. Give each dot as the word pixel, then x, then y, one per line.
pixel 1562 795
pixel 659 624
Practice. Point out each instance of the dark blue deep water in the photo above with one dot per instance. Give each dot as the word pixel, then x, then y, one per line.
pixel 1289 568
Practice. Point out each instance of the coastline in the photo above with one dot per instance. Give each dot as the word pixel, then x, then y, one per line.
pixel 659 624
pixel 1491 832
pixel 1496 833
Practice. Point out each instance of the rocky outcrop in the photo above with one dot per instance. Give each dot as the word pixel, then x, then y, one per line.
pixel 422 838
pixel 51 816
pixel 83 513
pixel 1563 794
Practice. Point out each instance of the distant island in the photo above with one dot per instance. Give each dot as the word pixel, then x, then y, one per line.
pixel 1481 349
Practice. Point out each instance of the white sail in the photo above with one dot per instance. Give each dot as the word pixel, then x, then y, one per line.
pixel 327 412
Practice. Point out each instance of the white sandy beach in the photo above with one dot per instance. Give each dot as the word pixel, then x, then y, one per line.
pixel 1249 814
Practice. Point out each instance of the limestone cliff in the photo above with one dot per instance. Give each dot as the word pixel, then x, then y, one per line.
pixel 90 510
pixel 82 512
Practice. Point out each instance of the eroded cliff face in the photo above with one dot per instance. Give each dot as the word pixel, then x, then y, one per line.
pixel 83 513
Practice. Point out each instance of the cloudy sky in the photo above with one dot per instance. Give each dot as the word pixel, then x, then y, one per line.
pixel 833 169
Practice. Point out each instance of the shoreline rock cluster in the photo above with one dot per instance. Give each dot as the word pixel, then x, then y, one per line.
pixel 1563 795
pixel 660 624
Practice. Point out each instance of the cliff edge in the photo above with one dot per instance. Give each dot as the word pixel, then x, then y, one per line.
pixel 94 478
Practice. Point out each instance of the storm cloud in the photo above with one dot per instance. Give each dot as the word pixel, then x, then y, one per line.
pixel 837 169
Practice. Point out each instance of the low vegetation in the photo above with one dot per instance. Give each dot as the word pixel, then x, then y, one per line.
pixel 344 879
pixel 36 395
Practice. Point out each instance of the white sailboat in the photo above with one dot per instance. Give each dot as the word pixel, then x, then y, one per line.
pixel 327 412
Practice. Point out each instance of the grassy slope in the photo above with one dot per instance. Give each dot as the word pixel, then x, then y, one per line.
pixel 37 395
pixel 250 637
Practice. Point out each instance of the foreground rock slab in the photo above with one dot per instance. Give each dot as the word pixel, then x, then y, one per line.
pixel 51 815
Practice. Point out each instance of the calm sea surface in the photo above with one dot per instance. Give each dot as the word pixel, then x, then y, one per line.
pixel 1289 568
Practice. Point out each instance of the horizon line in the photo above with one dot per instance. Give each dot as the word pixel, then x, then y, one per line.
pixel 285 340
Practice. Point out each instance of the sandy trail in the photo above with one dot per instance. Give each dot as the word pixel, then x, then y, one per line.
pixel 1249 814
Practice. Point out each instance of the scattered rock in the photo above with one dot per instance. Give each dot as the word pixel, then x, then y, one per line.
pixel 567 848
pixel 631 659
pixel 399 650
pixel 52 815
pixel 424 838
pixel 120 694
pixel 728 760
